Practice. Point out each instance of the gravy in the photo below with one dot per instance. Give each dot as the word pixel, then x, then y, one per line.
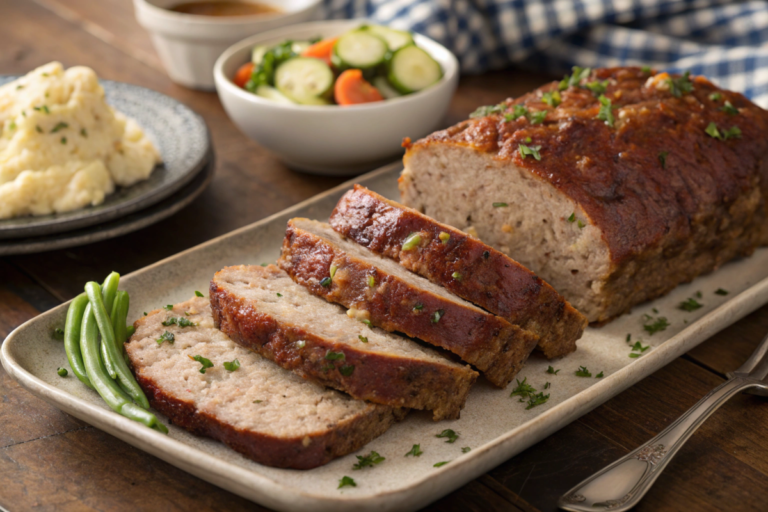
pixel 229 8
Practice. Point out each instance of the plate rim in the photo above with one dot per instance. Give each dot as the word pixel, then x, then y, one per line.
pixel 85 217
pixel 417 493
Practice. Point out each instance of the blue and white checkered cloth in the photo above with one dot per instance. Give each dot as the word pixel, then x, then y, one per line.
pixel 723 40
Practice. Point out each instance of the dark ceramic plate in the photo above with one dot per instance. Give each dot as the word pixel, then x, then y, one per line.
pixel 180 135
pixel 117 227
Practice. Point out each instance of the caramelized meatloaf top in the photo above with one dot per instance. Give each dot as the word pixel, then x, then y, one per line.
pixel 654 174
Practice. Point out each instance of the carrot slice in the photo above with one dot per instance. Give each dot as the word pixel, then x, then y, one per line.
pixel 243 74
pixel 321 50
pixel 351 89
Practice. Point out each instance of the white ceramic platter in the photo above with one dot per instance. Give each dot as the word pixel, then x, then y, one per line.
pixel 495 426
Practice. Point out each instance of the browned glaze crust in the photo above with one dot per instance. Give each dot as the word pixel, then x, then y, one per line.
pixel 377 377
pixel 489 278
pixel 616 176
pixel 490 343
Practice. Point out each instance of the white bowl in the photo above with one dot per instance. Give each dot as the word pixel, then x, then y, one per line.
pixel 189 44
pixel 333 140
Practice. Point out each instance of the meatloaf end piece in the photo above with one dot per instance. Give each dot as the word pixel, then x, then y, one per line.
pixel 262 309
pixel 268 414
pixel 462 264
pixel 391 297
pixel 613 201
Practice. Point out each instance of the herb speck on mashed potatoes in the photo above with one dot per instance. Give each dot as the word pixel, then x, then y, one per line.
pixel 62 147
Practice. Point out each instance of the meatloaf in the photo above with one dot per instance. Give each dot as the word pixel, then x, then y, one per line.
pixel 268 414
pixel 462 264
pixel 391 297
pixel 261 308
pixel 614 185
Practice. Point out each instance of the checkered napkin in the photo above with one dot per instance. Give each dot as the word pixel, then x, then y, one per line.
pixel 723 40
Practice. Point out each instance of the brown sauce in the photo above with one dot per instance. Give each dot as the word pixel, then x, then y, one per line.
pixel 231 8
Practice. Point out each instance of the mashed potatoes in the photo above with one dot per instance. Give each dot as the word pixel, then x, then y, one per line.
pixel 62 147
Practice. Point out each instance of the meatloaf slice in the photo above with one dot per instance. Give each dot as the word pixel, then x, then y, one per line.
pixel 263 309
pixel 391 297
pixel 612 200
pixel 462 264
pixel 268 414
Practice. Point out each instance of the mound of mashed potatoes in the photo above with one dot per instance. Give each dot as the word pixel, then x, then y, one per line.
pixel 62 147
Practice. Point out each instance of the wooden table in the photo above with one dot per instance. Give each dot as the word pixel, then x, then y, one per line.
pixel 51 461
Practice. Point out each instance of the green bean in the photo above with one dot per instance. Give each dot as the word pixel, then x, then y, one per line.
pixel 108 339
pixel 110 392
pixel 119 317
pixel 108 293
pixel 72 337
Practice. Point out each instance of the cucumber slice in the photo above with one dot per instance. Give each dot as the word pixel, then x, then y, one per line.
pixel 359 49
pixel 257 54
pixel 385 88
pixel 304 79
pixel 412 69
pixel 395 39
pixel 272 94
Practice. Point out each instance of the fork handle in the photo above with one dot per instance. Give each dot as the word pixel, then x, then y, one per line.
pixel 621 485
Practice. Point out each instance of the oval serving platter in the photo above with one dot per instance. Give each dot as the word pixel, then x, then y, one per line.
pixel 163 119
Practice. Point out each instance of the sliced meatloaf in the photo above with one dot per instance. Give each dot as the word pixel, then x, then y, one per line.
pixel 263 309
pixel 462 264
pixel 391 297
pixel 614 185
pixel 269 414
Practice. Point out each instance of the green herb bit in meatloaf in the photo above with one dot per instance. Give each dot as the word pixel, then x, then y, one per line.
pixel 415 451
pixel 418 307
pixel 689 305
pixel 205 362
pixel 334 268
pixel 572 218
pixel 729 109
pixel 368 461
pixel 450 435
pixel 654 325
pixel 734 132
pixel 257 401
pixel 574 80
pixel 437 315
pixel 279 294
pixel 529 150
pixel 663 159
pixel 680 86
pixel 456 276
pixel 325 282
pixel 606 111
pixel 646 70
pixel 535 400
pixel 411 242
pixel 444 237
pixel 519 111
pixel 334 356
pixel 552 99
pixel 439 464
pixel 168 307
pixel 551 369
pixel 167 336
pixel 347 369
pixel 362 338
pixel 500 205
pixel 597 87
pixel 346 481
pixel 537 117
pixel 231 366
pixel 583 372
pixel 720 291
pixel 580 224
pixel 488 110
pixel 371 281
pixel 367 322
pixel 715 96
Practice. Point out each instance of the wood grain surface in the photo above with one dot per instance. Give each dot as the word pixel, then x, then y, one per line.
pixel 52 461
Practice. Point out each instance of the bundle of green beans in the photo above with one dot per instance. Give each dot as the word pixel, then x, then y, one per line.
pixel 101 363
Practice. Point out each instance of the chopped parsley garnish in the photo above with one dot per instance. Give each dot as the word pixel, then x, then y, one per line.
pixel 346 481
pixel 371 281
pixel 367 322
pixel 418 307
pixel 257 401
pixel 362 338
pixel 264 264
pixel 552 370
pixel 39 130
pixel 518 111
pixel 551 98
pixel 58 333
pixel 583 372
pixel 689 305
pixel 547 385
pixel 600 375
pixel 729 109
pixel 720 291
pixel 437 315
pixel 578 74
pixel 488 110
pixel 84 133
pixel 12 125
pixel 450 435
pixel 606 111
pixel 231 366
pixel 203 361
pixel 654 325
pixel 629 338
pixel 439 464
pixel 655 310
pixel 185 322
pixel 698 295
pixel 500 205
pixel 413 241
pixel 538 117
pixel 334 268
pixel 62 372
pixel 534 400
pixel 334 356
pixel 169 307
pixel 638 347
pixel 523 389
pixel 734 132
pixel 59 126
pixel 663 159
pixel 456 276
pixel 646 70
pixel 680 86
pixel 279 294
pixel 347 369
pixel 167 336
pixel 597 87
pixel 63 140
pixel 580 224
pixel 466 449
pixel 415 451
pixel 444 237
pixel 715 96
pixel 529 150
pixel 325 282
pixel 368 461
pixel 572 218
pixel 198 294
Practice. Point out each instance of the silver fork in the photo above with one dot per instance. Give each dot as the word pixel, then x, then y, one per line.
pixel 623 484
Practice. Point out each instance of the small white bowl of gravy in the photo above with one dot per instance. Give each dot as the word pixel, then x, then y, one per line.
pixel 190 35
